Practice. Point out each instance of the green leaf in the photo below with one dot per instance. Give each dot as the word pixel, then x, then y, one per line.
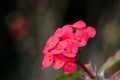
pixel 110 63
pixel 66 76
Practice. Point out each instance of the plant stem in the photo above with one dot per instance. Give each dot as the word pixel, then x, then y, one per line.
pixel 86 70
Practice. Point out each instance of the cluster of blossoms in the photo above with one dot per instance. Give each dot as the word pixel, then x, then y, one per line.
pixel 61 49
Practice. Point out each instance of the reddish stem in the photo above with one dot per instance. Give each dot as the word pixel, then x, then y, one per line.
pixel 85 69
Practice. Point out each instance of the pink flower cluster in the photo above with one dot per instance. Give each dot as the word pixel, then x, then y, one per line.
pixel 61 49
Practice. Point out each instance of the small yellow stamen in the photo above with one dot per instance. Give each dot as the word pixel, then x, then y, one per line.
pixel 87 31
pixel 69 51
pixel 59 48
pixel 78 40
pixel 59 61
pixel 49 58
pixel 52 44
pixel 69 64
pixel 68 40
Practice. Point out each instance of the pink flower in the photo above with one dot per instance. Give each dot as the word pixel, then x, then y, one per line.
pixel 52 42
pixel 58 32
pixel 71 50
pixel 70 67
pixel 45 50
pixel 59 48
pixel 47 61
pixel 67 35
pixel 79 25
pixel 81 38
pixel 91 32
pixel 71 59
pixel 59 62
pixel 67 28
pixel 65 32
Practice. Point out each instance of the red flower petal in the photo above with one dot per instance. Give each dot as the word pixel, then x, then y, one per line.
pixel 79 25
pixel 70 67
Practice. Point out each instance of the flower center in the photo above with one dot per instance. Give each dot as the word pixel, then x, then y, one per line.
pixel 79 40
pixel 69 64
pixel 49 58
pixel 70 51
pixel 59 61
pixel 87 31
pixel 52 44
pixel 68 40
pixel 59 48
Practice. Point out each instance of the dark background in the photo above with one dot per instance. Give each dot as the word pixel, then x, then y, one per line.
pixel 88 10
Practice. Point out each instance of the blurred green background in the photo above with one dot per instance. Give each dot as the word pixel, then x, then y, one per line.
pixel 25 26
